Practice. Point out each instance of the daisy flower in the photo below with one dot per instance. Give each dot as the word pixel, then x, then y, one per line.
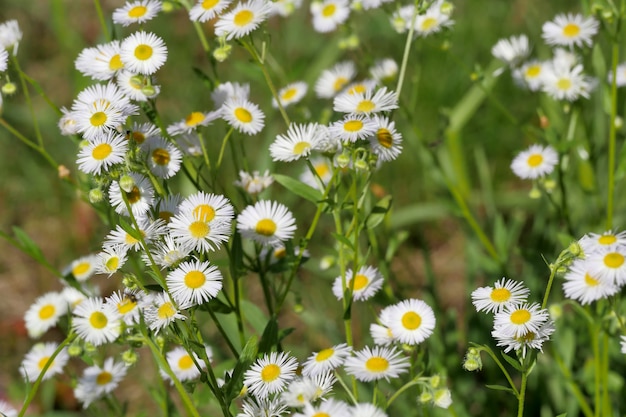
pixel 10 35
pixel 570 30
pixel 563 83
pixel 270 374
pixel 267 222
pixel 530 75
pixel 386 143
pixel 326 360
pixel 192 122
pixel 328 14
pixel 205 10
pixel 353 128
pixel 594 243
pixel 229 90
pixel 366 410
pixel 367 102
pixel 95 322
pixel 285 8
pixel 330 408
pixel 360 87
pixel 160 312
pixel 194 282
pixel 208 207
pixel 182 364
pixel 519 320
pixel 535 162
pixel 137 87
pixel 243 19
pixel 143 52
pixel 323 169
pixel 99 154
pixel 67 123
pixel 168 252
pixel 432 21
pixel 623 344
pixel 111 259
pixel 608 265
pixel 297 143
pixel 254 183
pixel 384 70
pixel 299 392
pixel 511 51
pixel 377 363
pixel 140 132
pixel 126 304
pixel 167 207
pixel 106 378
pixel 38 357
pixel 7 410
pixel 582 286
pixel 530 340
pixel 621 75
pixel 367 282
pixel 290 94
pixel 139 198
pixel 381 334
pixel 333 80
pixel 4 59
pixel 164 159
pixel 192 232
pixel 72 297
pixel 44 313
pixel 84 267
pixel 101 62
pixel 189 143
pixel 505 292
pixel 243 115
pixel 410 321
pixel 149 229
pixel 255 407
pixel 136 12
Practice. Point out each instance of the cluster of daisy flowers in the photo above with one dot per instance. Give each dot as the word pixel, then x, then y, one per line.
pixel 10 37
pixel 435 18
pixel 518 325
pixel 561 77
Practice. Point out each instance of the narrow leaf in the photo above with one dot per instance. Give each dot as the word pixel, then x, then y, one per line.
pixel 378 213
pixel 269 338
pixel 500 388
pixel 299 188
pixel 514 363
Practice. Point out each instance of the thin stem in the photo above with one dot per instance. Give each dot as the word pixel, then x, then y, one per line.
pixel 223 332
pixel 553 269
pixel 105 30
pixel 522 395
pixel 573 386
pixel 401 390
pixel 593 332
pixel 204 151
pixel 345 388
pixel 221 155
pixel 612 138
pixel 501 366
pixel 407 50
pixel 29 143
pixel 29 102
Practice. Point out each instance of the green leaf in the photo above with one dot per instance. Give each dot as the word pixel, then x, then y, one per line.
pixel 562 415
pixel 248 355
pixel 29 246
pixel 299 188
pixel 344 240
pixel 217 306
pixel 514 363
pixel 130 229
pixel 236 256
pixel 269 338
pixel 206 80
pixel 500 388
pixel 378 213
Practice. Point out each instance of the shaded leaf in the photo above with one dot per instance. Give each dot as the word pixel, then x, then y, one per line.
pixel 303 190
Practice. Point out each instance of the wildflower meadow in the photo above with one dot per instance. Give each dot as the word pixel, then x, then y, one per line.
pixel 312 208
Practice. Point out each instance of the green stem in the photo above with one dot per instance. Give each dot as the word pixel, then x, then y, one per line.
pixel 204 151
pixel 31 393
pixel 401 390
pixel 105 30
pixel 29 143
pixel 553 269
pixel 593 332
pixel 606 400
pixel 232 347
pixel 29 102
pixel 612 138
pixel 407 50
pixel 224 141
pixel 522 395
pixel 501 366
pixel 573 386
pixel 345 388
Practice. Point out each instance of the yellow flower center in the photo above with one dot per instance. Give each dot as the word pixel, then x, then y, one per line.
pixel 137 11
pixel 81 269
pixel 323 355
pixel 377 364
pixel 126 306
pixel 112 263
pixel 204 212
pixel 613 260
pixel 384 138
pixel 199 229
pixel 571 30
pixel 116 63
pixel 329 10
pixel 321 414
pixel 166 311
pixel 289 94
pixel 185 362
pixel 143 52
pixel 301 147
pixel 166 215
pixel 161 156
pixel 243 115
pixel 520 316
pixel 98 119
pixel 365 106
pixel 242 18
pixel 270 372
pixel 104 378
pixel 322 169
pixel 47 311
pixel 339 83
pixel 101 151
pixel 280 253
pixel 194 118
pixel 134 195
pixel 138 137
pixel 209 4
pixel 129 240
pixel 429 23
pixel 194 279
pixel 535 160
pixel 98 320
pixel 607 239
pixel 590 281
pixel 527 338
pixel 360 282
pixel 411 320
pixel 564 84
pixel 265 227
pixel 43 361
pixel 500 295
pixel 353 126
pixel 533 71
pixel 357 89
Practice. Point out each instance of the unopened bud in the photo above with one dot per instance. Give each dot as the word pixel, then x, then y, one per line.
pixel 556 311
pixel 549 185
pixel 343 160
pixel 535 193
pixel 446 8
pixel 222 53
pixel 575 249
pixel 96 196
pixel 75 350
pixel 149 90
pixel 443 398
pixel 435 380
pixel 425 397
pixel 326 262
pixel 619 122
pixel 129 357
pixel 361 165
pixel 127 183
pixel 9 88
pixel 544 122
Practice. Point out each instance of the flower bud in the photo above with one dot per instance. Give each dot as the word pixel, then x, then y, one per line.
pixel 64 173
pixel 9 88
pixel 443 398
pixel 343 160
pixel 96 196
pixel 361 165
pixel 74 350
pixel 149 90
pixel 425 397
pixel 222 53
pixel 129 357
pixel 127 183
pixel 535 193
pixel 326 262
pixel 619 122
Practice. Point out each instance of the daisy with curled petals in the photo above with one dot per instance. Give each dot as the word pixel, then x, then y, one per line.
pixel 95 322
pixel 44 313
pixel 582 286
pixel 159 312
pixel 564 83
pixel 111 259
pixel 243 115
pixel 67 123
pixel 535 162
pixel 136 12
pixel 366 410
pixel 285 8
pixel 520 319
pixel 367 281
pixel 297 143
pixel 72 297
pixel 243 19
pixel 255 182
pixel 593 242
pixel 570 30
pixel 143 52
pixel 10 35
pixel 38 357
pixel 163 158
pixel 137 87
pixel 104 151
pixel 127 305
pixel 270 374
pixel 139 197
pixel 328 14
pixel 326 360
pixel 353 128
pixel 192 122
pixel 530 75
pixel 299 392
pixel 623 344
pixel 367 102
pixel 530 340
pixel 183 364
pixel 410 321
pixel 360 87
pixel 511 51
pixel 141 132
pixel 377 363
pixel 333 80
pixel 167 253
pixel 194 282
pixel 504 292
pixel 609 265
pixel 290 94
pixel 267 222
pixel 330 408
pixel 101 62
pixel 387 142
pixel 205 10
